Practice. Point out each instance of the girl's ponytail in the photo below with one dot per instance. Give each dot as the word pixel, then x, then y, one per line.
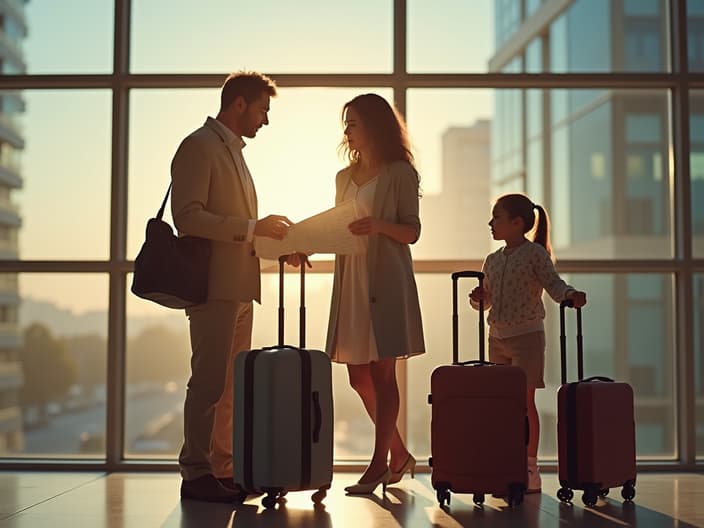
pixel 542 230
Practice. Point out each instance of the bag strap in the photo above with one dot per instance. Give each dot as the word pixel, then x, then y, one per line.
pixel 163 204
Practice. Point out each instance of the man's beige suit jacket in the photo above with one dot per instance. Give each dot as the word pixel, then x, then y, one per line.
pixel 208 200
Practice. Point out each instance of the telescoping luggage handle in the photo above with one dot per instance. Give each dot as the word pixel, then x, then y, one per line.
pixel 580 346
pixel 455 317
pixel 302 308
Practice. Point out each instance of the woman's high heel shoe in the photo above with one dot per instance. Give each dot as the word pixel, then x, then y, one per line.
pixel 409 465
pixel 369 487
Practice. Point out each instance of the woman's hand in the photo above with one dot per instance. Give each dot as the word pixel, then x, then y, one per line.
pixel 578 298
pixel 366 226
pixel 479 294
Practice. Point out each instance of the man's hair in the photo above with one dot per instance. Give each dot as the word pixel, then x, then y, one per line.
pixel 248 84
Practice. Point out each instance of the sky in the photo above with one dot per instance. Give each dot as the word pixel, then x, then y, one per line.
pixel 293 161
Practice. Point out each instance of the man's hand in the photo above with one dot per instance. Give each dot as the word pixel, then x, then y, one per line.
pixel 273 226
pixel 295 259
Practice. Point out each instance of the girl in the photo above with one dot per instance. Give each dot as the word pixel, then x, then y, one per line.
pixel 515 277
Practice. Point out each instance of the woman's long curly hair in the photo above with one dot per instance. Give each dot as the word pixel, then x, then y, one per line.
pixel 384 126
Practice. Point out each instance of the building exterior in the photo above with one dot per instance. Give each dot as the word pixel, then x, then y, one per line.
pixel 613 146
pixel 13 29
pixel 454 219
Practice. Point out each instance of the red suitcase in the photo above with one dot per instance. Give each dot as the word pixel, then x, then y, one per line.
pixel 479 427
pixel 595 430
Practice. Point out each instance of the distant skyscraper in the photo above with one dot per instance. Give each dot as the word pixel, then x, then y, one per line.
pixel 13 29
pixel 455 220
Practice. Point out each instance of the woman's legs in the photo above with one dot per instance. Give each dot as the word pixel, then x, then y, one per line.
pixel 376 384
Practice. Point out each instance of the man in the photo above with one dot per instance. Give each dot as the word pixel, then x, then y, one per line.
pixel 213 197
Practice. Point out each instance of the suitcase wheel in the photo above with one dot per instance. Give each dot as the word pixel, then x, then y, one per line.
pixel 515 494
pixel 603 492
pixel 318 496
pixel 269 501
pixel 273 495
pixel 565 494
pixel 628 492
pixel 443 495
pixel 590 496
pixel 478 499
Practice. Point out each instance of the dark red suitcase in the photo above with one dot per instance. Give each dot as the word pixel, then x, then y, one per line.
pixel 479 427
pixel 595 430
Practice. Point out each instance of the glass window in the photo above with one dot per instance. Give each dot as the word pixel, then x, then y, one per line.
pixel 283 37
pixel 698 325
pixel 507 20
pixel 625 175
pixel 534 56
pixel 535 174
pixel 60 48
pixel 450 35
pixel 614 346
pixel 532 6
pixel 559 61
pixel 534 113
pixel 695 35
pixel 54 203
pixel 635 40
pixel 643 128
pixel 696 168
pixel 53 344
pixel 157 362
pixel 451 133
pixel 641 7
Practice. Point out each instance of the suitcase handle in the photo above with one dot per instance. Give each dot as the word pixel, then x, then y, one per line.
pixel 317 417
pixel 302 308
pixel 475 362
pixel 563 342
pixel 599 378
pixel 455 325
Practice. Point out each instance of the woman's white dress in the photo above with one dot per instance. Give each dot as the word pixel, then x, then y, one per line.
pixel 355 337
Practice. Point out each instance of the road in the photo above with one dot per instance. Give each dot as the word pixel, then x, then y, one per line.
pixel 63 433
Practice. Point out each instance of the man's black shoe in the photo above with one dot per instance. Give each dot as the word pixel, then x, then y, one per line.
pixel 229 483
pixel 208 489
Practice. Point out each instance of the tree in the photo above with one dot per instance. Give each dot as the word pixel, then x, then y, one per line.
pixel 158 354
pixel 48 370
pixel 90 354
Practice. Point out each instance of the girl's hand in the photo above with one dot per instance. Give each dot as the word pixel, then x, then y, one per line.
pixel 365 226
pixel 479 294
pixel 578 298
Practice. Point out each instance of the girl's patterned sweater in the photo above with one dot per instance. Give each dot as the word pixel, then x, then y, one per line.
pixel 515 282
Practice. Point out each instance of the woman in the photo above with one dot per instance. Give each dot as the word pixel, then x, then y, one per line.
pixel 375 314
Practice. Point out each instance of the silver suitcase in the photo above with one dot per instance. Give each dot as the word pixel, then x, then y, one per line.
pixel 283 416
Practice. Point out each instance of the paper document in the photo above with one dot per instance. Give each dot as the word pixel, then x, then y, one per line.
pixel 325 232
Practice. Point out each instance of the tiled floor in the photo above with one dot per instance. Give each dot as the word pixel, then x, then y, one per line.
pixel 145 500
